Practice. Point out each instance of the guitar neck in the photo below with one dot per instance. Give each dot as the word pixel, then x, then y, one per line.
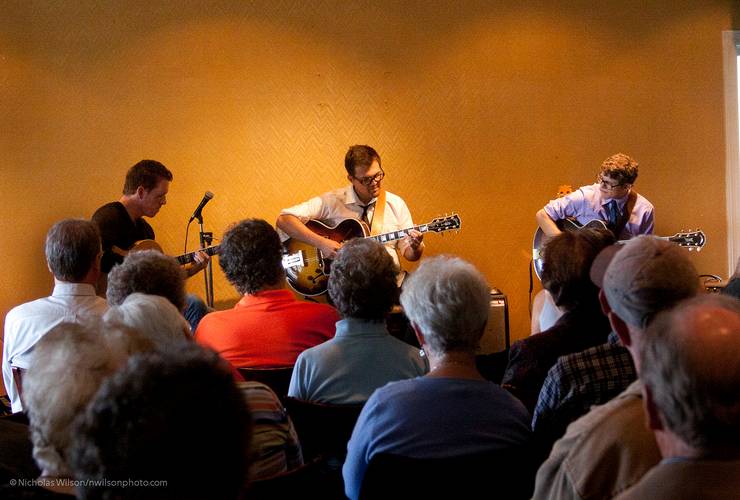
pixel 187 258
pixel 397 235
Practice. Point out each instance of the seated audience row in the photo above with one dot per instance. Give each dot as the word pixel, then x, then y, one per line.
pixel 70 362
pixel 609 448
pixel 109 390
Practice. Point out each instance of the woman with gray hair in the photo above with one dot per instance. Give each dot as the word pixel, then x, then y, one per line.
pixel 452 411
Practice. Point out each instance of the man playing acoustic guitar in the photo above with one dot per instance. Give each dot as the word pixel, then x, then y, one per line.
pixel 611 200
pixel 356 201
pixel 121 223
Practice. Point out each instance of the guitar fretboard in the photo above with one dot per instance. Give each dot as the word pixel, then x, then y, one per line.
pixel 190 257
pixel 397 235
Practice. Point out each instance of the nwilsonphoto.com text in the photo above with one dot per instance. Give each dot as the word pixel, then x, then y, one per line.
pixel 87 483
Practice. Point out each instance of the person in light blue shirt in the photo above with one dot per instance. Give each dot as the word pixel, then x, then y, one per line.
pixel 362 356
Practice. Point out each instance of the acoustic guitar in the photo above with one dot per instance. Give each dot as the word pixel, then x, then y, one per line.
pixel 688 239
pixel 310 278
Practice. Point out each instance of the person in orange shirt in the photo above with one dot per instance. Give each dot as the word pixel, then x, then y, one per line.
pixel 269 327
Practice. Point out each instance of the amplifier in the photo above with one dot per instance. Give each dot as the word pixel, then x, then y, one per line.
pixel 496 336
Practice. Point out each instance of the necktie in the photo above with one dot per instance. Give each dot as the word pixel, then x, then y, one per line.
pixel 612 213
pixel 364 216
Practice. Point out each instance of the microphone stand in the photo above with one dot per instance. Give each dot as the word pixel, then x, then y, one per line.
pixel 206 239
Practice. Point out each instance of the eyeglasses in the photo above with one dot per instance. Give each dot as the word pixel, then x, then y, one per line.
pixel 367 181
pixel 604 184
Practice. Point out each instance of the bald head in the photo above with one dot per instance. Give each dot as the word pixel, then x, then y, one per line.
pixel 690 366
pixel 647 276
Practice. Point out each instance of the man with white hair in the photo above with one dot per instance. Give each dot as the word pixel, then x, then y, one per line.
pixel 73 255
pixel 691 383
pixel 609 448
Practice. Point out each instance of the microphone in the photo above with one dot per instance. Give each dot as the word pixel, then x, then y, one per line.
pixel 196 215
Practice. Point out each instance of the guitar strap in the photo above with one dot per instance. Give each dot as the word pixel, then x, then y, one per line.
pixel 379 214
pixel 628 207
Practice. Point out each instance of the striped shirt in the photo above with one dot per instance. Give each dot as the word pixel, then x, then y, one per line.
pixel 274 447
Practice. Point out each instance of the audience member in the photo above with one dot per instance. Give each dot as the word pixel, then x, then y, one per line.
pixel 73 256
pixel 565 275
pixel 138 429
pixel 583 379
pixel 609 449
pixel 148 272
pixel 453 410
pixel 363 355
pixel 691 384
pixel 268 327
pixel 67 366
pixel 274 447
pixel 152 316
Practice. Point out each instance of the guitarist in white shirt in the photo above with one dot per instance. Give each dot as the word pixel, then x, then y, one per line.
pixel 356 201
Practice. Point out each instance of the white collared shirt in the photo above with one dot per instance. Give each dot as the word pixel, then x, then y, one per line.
pixel 333 207
pixel 27 323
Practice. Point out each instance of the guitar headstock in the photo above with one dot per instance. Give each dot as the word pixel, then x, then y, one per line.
pixel 690 239
pixel 446 223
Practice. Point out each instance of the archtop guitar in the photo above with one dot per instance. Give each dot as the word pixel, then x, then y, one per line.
pixel 310 277
pixel 688 239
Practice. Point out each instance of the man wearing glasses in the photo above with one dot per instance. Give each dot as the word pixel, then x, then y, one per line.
pixel 356 201
pixel 611 199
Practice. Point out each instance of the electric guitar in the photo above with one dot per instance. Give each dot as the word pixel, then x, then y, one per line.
pixel 688 239
pixel 289 260
pixel 310 278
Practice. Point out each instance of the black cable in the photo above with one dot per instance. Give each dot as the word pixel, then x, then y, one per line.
pixel 187 229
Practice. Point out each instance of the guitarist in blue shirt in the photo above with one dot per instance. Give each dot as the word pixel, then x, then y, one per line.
pixel 611 199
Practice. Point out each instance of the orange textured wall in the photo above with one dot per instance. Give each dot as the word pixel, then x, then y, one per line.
pixel 478 107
